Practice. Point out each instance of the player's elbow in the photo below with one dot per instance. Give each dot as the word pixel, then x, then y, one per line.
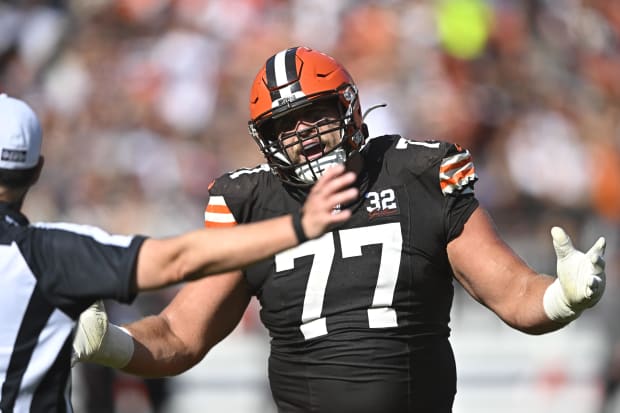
pixel 531 329
pixel 182 360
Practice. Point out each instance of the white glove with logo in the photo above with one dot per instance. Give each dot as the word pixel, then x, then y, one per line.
pixel 581 278
pixel 98 341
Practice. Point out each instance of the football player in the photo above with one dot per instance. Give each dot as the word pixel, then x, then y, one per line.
pixel 358 318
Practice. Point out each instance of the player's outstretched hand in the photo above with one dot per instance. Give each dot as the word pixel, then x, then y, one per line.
pixel 322 207
pixel 99 341
pixel 92 327
pixel 581 277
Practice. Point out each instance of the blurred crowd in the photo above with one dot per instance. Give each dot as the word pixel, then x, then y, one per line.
pixel 144 102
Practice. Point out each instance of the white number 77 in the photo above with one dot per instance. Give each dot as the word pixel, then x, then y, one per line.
pixel 380 313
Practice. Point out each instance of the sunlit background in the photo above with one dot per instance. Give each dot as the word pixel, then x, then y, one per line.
pixel 144 102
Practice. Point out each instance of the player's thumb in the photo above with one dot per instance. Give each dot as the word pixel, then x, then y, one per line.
pixel 561 242
pixel 596 255
pixel 598 248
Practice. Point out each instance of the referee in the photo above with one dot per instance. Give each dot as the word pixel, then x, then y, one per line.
pixel 50 273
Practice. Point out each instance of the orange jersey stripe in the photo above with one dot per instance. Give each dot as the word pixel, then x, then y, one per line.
pixel 211 224
pixel 457 178
pixel 455 165
pixel 222 209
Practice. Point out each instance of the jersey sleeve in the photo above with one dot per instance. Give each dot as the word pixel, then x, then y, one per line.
pixel 447 172
pixel 78 264
pixel 457 176
pixel 230 199
pixel 218 214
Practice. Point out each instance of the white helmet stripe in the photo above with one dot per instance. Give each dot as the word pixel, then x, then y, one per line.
pixel 280 68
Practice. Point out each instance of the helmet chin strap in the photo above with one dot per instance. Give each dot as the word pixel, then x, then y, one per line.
pixel 309 172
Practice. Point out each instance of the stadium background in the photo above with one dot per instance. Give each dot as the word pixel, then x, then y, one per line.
pixel 144 102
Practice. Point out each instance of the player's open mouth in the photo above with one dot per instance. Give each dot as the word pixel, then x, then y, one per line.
pixel 313 149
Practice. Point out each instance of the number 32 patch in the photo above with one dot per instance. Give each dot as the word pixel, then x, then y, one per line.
pixel 381 203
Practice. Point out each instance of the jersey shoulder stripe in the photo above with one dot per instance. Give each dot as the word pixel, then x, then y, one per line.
pixel 230 194
pixel 457 172
pixel 217 213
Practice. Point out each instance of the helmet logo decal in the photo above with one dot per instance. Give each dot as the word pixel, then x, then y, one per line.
pixel 349 94
pixel 281 70
pixel 287 99
pixel 358 138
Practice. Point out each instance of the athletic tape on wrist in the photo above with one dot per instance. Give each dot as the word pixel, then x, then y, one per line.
pixel 556 306
pixel 116 347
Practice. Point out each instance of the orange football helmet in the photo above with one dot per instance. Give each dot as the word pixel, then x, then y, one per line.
pixel 299 79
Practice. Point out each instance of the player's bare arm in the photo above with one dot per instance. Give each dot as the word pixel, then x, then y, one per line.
pixel 203 313
pixel 498 278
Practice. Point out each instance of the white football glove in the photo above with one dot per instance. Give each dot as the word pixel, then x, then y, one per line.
pixel 98 341
pixel 581 278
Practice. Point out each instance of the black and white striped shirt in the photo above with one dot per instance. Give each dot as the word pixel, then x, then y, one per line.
pixel 49 274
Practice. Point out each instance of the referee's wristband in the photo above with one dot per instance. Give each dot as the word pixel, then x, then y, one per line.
pixel 299 229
